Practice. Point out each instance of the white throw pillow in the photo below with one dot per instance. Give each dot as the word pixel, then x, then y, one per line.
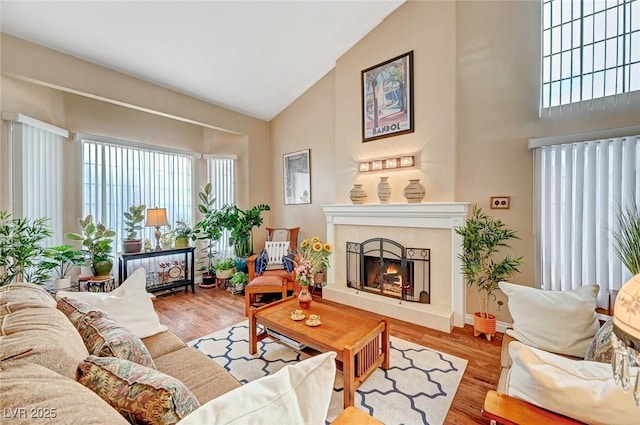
pixel 129 304
pixel 562 322
pixel 296 394
pixel 579 389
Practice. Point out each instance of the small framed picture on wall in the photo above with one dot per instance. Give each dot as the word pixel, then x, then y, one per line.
pixel 297 177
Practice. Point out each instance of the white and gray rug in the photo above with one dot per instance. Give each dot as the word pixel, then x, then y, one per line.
pixel 418 388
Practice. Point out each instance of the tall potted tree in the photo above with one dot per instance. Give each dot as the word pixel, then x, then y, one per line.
pixel 97 242
pixel 483 238
pixel 133 219
pixel 208 229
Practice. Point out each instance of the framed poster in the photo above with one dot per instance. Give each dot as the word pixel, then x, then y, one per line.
pixel 387 98
pixel 297 178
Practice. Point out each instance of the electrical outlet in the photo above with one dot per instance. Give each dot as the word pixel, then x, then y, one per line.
pixel 500 202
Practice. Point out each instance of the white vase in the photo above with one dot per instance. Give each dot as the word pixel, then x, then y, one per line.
pixel 414 191
pixel 358 195
pixel 384 190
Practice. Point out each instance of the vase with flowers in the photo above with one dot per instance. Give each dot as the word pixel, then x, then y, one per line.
pixel 310 259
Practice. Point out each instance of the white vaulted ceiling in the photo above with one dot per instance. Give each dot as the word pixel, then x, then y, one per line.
pixel 254 57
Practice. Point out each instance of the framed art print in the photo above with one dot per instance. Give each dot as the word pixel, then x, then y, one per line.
pixel 297 178
pixel 387 98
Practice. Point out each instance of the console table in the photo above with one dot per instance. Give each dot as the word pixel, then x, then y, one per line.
pixel 186 280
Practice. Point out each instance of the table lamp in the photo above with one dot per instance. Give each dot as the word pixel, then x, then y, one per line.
pixel 626 327
pixel 157 217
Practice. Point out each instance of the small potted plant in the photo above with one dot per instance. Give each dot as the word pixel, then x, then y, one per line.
pixel 132 224
pixel 61 259
pixel 238 282
pixel 483 238
pixel 225 268
pixel 96 240
pixel 183 233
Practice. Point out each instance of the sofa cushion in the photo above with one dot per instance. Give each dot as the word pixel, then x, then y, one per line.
pixel 296 394
pixel 33 394
pixel 163 343
pixel 561 322
pixel 601 347
pixel 17 296
pixel 141 394
pixel 102 335
pixel 204 377
pixel 129 304
pixel 579 389
pixel 42 336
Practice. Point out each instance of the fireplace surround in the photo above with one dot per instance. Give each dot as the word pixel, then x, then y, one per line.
pixel 429 224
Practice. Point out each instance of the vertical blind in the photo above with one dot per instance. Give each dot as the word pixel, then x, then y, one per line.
pixel 116 177
pixel 37 175
pixel 221 173
pixel 579 188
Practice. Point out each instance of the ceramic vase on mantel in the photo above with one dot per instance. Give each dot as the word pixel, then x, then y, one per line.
pixel 414 191
pixel 304 297
pixel 358 195
pixel 384 190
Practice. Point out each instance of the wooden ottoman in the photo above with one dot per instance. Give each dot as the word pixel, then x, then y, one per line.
pixel 263 285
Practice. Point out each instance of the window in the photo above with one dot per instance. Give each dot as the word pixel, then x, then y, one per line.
pixel 37 182
pixel 116 176
pixel 590 49
pixel 221 173
pixel 579 187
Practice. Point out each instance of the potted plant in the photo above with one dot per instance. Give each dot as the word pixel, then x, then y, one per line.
pixel 132 224
pixel 238 281
pixel 21 249
pixel 627 236
pixel 96 240
pixel 225 268
pixel 483 238
pixel 61 259
pixel 208 229
pixel 241 223
pixel 183 233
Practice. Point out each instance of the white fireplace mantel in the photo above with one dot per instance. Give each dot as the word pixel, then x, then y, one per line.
pixel 428 215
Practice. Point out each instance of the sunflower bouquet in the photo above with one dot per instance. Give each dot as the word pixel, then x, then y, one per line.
pixel 311 258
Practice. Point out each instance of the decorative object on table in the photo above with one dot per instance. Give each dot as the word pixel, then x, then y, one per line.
pixel 225 268
pixel 153 279
pixel 387 98
pixel 157 217
pixel 182 232
pixel 238 281
pixel 147 245
pixel 384 190
pixel 21 247
pixel 132 224
pixel 97 241
pixel 314 320
pixel 483 238
pixel 414 192
pixel 358 195
pixel 298 315
pixel 61 259
pixel 500 202
pixel 311 258
pixel 240 224
pixel 297 177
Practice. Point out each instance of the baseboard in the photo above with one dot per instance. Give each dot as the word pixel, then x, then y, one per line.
pixel 500 326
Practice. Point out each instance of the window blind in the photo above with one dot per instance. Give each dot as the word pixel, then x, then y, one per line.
pixel 221 173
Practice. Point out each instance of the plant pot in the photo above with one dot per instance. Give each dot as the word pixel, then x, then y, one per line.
pixel 482 325
pixel 208 281
pixel 225 274
pixel 102 268
pixel 131 246
pixel 62 283
pixel 181 242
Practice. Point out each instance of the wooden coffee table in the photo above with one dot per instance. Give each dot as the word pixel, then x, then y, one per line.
pixel 362 343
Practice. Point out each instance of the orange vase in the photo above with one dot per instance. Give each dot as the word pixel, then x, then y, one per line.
pixel 484 325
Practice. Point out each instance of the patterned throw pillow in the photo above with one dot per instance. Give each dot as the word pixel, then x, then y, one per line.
pixel 262 262
pixel 601 348
pixel 102 335
pixel 142 395
pixel 287 260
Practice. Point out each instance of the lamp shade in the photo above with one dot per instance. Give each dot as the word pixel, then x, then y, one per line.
pixel 156 217
pixel 626 312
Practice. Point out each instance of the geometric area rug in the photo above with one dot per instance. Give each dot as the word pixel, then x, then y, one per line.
pixel 417 389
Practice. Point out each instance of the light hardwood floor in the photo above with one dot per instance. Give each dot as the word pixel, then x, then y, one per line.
pixel 191 316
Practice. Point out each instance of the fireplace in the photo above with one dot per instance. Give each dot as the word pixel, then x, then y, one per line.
pixel 384 267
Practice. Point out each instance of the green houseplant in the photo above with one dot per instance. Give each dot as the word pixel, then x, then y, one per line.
pixel 133 219
pixel 241 223
pixel 238 281
pixel 21 249
pixel 61 259
pixel 627 236
pixel 183 232
pixel 97 242
pixel 225 268
pixel 208 229
pixel 483 238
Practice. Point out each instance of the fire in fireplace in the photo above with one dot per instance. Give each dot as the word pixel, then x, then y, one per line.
pixel 385 267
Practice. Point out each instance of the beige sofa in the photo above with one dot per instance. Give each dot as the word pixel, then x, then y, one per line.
pixel 39 353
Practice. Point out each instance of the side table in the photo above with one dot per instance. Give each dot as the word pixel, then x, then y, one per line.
pixel 186 279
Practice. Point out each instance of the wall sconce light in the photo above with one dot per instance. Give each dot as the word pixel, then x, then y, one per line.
pixel 387 163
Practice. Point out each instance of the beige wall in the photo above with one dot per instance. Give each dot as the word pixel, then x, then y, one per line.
pixel 476 105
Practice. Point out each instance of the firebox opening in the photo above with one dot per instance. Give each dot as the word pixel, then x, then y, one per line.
pixel 388 278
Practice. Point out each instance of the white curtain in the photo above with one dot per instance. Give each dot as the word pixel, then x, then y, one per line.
pixel 579 187
pixel 221 173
